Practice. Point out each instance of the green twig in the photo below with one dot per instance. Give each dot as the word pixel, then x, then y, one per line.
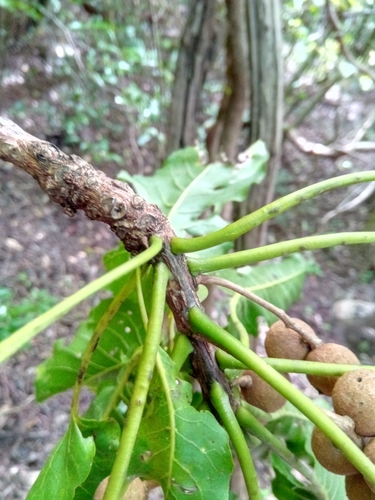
pixel 218 336
pixel 226 361
pixel 220 401
pixel 246 257
pixel 181 350
pixel 122 381
pixel 242 332
pixel 249 222
pixel 171 332
pixel 171 416
pixel 249 422
pixel 142 382
pixel 19 338
pixel 141 299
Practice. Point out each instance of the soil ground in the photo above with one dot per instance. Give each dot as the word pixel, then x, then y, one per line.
pixel 60 255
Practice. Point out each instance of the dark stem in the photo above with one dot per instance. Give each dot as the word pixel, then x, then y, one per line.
pixel 77 185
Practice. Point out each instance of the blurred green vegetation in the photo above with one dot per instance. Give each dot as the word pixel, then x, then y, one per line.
pixel 15 314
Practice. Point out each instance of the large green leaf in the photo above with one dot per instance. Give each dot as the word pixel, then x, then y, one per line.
pixel 185 190
pixel 67 467
pixel 106 434
pixel 123 335
pixel 279 283
pixel 295 429
pixel 185 450
pixel 286 486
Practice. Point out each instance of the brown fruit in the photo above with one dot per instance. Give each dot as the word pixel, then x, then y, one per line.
pixel 354 395
pixel 329 353
pixel 357 488
pixel 330 457
pixel 261 394
pixel 136 490
pixel 369 451
pixel 283 342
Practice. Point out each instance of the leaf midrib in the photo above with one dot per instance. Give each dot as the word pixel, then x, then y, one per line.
pixel 184 195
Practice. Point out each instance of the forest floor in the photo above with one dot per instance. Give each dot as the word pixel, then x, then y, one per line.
pixel 42 248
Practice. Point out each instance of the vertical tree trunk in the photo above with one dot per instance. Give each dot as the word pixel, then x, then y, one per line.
pixel 196 51
pixel 223 137
pixel 266 108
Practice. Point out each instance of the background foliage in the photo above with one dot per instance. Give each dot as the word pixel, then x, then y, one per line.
pixel 96 78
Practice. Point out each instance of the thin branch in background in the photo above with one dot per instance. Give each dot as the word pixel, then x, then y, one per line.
pixel 307 64
pixel 312 340
pixel 67 34
pixel 313 102
pixel 348 203
pixel 333 151
pixel 362 129
pixel 335 22
pixel 314 148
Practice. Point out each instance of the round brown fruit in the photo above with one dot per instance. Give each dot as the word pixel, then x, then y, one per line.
pixel 283 342
pixel 354 395
pixel 330 457
pixel 329 353
pixel 261 394
pixel 369 451
pixel 357 488
pixel 136 490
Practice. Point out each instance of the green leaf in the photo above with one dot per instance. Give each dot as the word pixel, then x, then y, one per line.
pixel 15 314
pixel 286 486
pixel 123 335
pixel 332 484
pixel 185 450
pixel 279 283
pixel 106 434
pixel 185 190
pixel 57 373
pixel 66 468
pixel 113 259
pixel 295 429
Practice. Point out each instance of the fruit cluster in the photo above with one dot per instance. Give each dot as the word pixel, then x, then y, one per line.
pixel 353 398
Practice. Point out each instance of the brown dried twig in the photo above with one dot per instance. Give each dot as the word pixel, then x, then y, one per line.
pixel 312 340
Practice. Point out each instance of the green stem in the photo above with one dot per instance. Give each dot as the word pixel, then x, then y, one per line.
pixel 226 361
pixel 181 350
pixel 267 252
pixel 94 340
pixel 218 336
pixel 245 224
pixel 19 338
pixel 141 299
pixel 142 382
pixel 249 422
pixel 220 401
pixel 171 332
pixel 242 332
pixel 122 381
pixel 172 418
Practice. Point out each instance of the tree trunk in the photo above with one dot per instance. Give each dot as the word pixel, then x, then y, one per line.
pixel 223 137
pixel 266 108
pixel 196 51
